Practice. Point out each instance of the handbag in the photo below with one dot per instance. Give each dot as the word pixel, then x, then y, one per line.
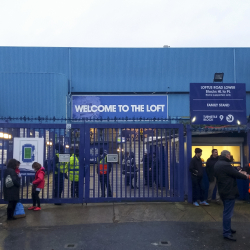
pixel 19 211
pixel 8 182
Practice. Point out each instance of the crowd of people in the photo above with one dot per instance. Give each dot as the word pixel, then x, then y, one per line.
pixel 221 174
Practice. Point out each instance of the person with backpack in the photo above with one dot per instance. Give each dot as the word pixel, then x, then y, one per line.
pixel 103 171
pixel 38 185
pixel 11 188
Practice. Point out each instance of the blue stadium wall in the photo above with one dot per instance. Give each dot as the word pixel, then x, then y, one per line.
pixel 37 81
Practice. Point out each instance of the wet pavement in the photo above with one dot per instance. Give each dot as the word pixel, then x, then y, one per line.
pixel 124 226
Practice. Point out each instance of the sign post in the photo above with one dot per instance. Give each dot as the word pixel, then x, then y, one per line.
pixel 222 104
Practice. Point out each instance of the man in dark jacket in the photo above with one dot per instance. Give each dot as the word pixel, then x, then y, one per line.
pixel 131 170
pixel 226 178
pixel 210 174
pixel 154 177
pixel 11 194
pixel 146 166
pixel 196 169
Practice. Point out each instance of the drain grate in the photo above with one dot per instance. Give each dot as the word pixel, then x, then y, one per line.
pixel 70 246
pixel 162 243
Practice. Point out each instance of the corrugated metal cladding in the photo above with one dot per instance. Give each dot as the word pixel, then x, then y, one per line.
pixel 148 69
pixel 34 60
pixel 178 105
pixel 34 81
pixel 33 94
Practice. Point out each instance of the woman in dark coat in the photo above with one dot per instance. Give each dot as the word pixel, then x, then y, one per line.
pixel 11 194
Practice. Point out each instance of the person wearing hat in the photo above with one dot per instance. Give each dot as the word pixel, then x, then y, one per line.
pixel 196 169
pixel 74 172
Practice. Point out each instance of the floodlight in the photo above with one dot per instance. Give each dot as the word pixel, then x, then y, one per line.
pixel 218 77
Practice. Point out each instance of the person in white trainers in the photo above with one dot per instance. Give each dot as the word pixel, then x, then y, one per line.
pixel 196 169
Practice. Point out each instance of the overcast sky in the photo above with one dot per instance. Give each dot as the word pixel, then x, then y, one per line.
pixel 125 23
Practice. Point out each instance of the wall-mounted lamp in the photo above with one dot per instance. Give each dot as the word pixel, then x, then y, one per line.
pixel 5 135
pixel 194 119
pixel 49 143
pixel 66 146
pixel 218 77
pixel 238 122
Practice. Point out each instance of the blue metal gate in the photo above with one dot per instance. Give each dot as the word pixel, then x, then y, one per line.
pixel 148 166
pixel 61 182
pixel 147 163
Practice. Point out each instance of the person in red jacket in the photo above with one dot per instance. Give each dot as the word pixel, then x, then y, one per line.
pixel 38 184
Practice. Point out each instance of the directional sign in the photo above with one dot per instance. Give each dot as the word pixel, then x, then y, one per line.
pixel 223 103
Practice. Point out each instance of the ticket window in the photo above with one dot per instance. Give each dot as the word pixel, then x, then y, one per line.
pixel 207 151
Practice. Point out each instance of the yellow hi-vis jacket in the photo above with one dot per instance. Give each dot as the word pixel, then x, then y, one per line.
pixel 73 165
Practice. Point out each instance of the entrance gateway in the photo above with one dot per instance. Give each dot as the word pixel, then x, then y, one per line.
pixel 173 145
pixel 157 150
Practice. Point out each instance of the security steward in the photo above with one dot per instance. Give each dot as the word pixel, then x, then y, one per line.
pixel 103 171
pixel 74 172
pixel 61 170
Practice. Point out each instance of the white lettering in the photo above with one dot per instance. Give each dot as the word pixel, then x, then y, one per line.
pixel 79 108
pixel 125 108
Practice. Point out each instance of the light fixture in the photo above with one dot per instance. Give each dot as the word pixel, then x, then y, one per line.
pixel 119 150
pixel 66 146
pixel 238 122
pixel 49 143
pixel 218 77
pixel 5 135
pixel 194 119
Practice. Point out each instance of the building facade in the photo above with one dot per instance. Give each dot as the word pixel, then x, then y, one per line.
pixel 42 81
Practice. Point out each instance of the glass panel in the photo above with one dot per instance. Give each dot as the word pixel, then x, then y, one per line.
pixel 234 150
pixel 207 151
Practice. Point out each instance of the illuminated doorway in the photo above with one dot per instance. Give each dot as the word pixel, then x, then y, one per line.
pixel 207 151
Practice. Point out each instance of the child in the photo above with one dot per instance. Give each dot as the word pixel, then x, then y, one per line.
pixel 38 184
